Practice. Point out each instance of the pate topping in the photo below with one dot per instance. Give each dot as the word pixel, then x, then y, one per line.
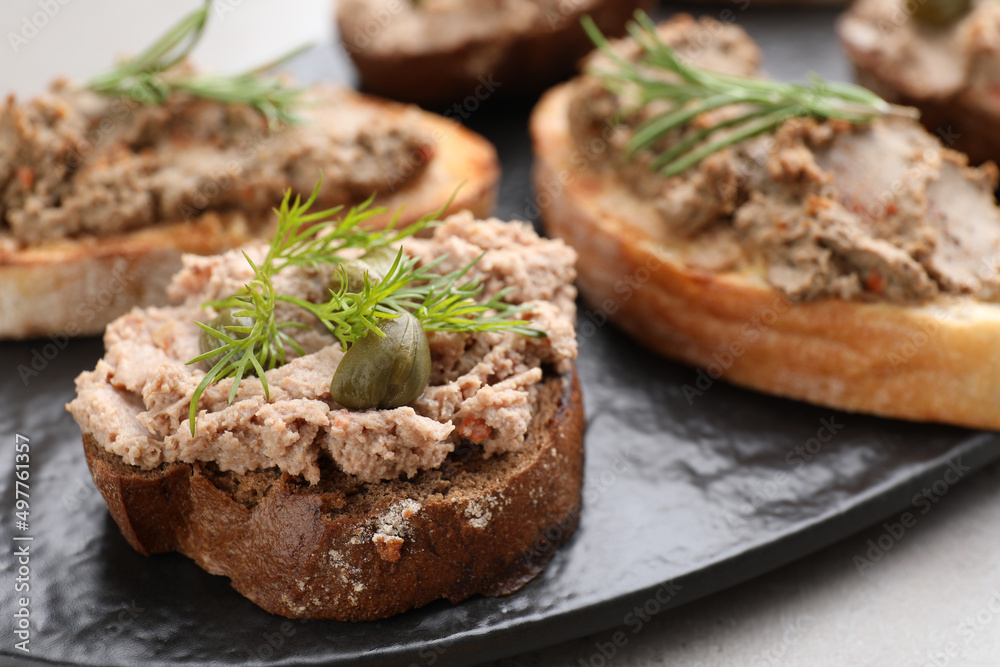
pixel 829 209
pixel 135 403
pixel 73 162
pixel 445 24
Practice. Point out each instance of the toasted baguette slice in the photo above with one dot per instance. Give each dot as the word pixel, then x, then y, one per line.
pixel 935 362
pixel 435 60
pixel 76 286
pixel 473 526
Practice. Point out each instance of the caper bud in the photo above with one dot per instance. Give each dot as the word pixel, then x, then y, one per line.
pixel 384 372
pixel 225 318
pixel 355 270
pixel 381 257
pixel 941 12
pixel 375 262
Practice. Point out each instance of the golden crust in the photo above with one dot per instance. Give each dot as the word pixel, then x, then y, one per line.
pixel 76 286
pixel 928 363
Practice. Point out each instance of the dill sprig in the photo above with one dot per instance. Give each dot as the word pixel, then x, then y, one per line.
pixel 440 302
pixel 152 76
pixel 761 105
pixel 258 347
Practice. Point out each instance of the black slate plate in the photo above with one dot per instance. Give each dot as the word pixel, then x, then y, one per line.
pixel 700 494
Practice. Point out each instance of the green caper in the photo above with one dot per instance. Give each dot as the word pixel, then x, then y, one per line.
pixel 355 269
pixel 375 262
pixel 941 12
pixel 381 257
pixel 384 372
pixel 225 318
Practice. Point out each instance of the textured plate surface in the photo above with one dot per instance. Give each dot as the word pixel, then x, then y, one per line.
pixel 701 494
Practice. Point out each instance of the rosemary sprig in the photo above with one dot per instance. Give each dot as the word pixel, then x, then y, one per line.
pixel 439 302
pixel 760 105
pixel 152 76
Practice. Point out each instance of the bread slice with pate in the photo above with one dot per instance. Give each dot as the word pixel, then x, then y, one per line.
pixel 458 53
pixel 848 265
pixel 100 196
pixel 937 55
pixel 316 511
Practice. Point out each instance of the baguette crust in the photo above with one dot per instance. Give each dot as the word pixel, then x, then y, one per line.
pixel 75 287
pixel 475 526
pixel 520 64
pixel 932 362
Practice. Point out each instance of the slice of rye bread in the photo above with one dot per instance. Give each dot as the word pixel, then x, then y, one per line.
pixel 512 64
pixel 933 361
pixel 354 551
pixel 76 286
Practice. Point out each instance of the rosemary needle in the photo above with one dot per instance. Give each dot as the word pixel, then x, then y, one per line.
pixel 152 76
pixel 759 105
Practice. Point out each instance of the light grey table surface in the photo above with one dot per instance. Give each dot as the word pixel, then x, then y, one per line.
pixel 932 598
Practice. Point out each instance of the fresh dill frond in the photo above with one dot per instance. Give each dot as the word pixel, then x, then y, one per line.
pixel 153 76
pixel 439 302
pixel 761 106
pixel 246 350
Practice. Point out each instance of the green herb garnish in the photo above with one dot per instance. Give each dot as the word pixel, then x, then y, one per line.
pixel 762 105
pixel 152 76
pixel 439 302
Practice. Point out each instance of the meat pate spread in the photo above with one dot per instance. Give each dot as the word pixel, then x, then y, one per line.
pixel 405 26
pixel 73 162
pixel 823 208
pixel 958 62
pixel 482 388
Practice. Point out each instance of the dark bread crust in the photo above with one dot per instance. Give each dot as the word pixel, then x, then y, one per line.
pixel 528 62
pixel 308 551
